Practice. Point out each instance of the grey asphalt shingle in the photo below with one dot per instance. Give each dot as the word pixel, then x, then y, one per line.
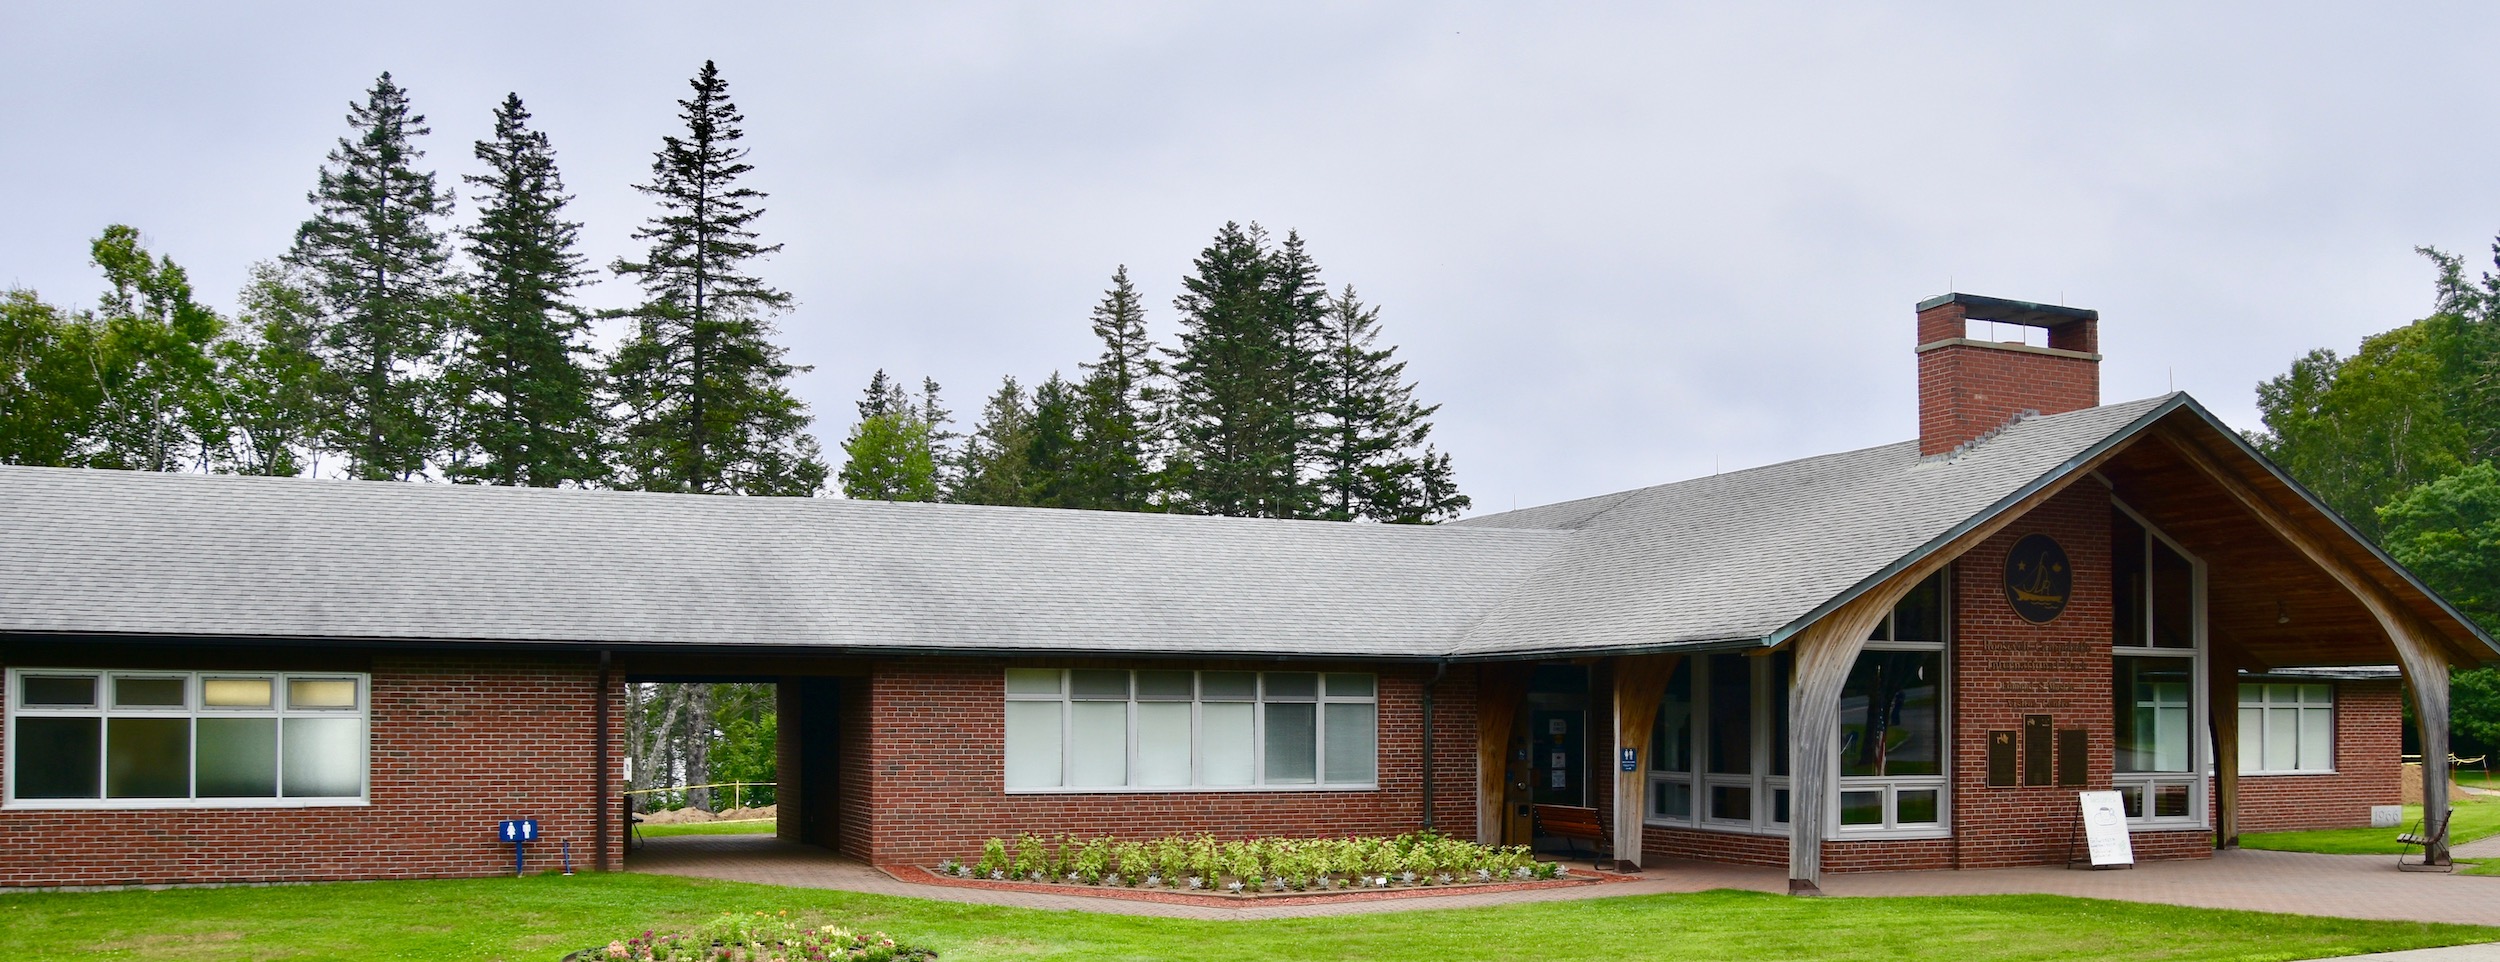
pixel 1734 556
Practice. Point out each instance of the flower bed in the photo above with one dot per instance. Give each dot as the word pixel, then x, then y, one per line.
pixel 1204 865
pixel 755 938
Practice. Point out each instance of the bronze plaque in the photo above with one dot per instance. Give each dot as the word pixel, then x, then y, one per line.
pixel 2001 757
pixel 2038 579
pixel 2036 749
pixel 2072 766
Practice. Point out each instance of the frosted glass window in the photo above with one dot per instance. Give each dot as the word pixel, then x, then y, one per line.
pixel 1102 729
pixel 149 692
pixel 1352 742
pixel 2152 717
pixel 1163 739
pixel 235 692
pixel 2287 728
pixel 2317 740
pixel 1292 743
pixel 1225 747
pixel 320 693
pixel 58 757
pixel 218 739
pixel 147 758
pixel 324 757
pixel 1033 736
pixel 2283 743
pixel 238 757
pixel 1098 744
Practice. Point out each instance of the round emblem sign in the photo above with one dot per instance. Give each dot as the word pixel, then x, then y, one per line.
pixel 2038 579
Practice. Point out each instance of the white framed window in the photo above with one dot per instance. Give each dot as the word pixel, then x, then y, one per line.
pixel 1895 724
pixel 2158 674
pixel 1096 730
pixel 1718 753
pixel 87 738
pixel 2287 729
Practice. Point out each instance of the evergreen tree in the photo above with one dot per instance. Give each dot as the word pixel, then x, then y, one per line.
pixel 1298 310
pixel 1232 413
pixel 1053 477
pixel 157 406
pixel 523 403
pixel 1113 458
pixel 377 263
pixel 706 403
pixel 269 377
pixel 892 453
pixel 1370 428
pixel 995 457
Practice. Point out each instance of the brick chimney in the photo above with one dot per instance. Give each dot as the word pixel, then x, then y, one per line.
pixel 1967 387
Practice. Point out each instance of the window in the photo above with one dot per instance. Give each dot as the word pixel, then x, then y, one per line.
pixel 1892 718
pixel 2157 643
pixel 2286 729
pixel 1718 754
pixel 184 739
pixel 1088 729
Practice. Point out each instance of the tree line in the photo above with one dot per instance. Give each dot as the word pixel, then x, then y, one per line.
pixel 390 343
pixel 2402 437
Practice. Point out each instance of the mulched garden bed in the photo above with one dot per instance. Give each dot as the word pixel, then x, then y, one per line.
pixel 1570 879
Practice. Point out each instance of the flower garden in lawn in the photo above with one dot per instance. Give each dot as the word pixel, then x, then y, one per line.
pixel 1206 865
pixel 755 937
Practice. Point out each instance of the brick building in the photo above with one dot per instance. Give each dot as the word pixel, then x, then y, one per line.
pixel 1906 656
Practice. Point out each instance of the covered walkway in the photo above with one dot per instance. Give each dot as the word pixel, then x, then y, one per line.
pixel 2349 886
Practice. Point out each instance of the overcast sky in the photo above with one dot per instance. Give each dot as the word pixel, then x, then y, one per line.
pixel 1620 245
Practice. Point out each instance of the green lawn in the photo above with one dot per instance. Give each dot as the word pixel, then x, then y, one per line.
pixel 2474 819
pixel 749 826
pixel 542 917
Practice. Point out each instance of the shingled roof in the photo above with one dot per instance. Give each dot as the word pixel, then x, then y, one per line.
pixel 1738 558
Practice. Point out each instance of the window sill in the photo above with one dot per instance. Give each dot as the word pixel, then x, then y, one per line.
pixel 1890 834
pixel 2180 825
pixel 178 804
pixel 1721 828
pixel 2329 771
pixel 1196 790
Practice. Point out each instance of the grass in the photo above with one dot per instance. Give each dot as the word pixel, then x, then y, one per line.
pixel 744 826
pixel 2473 819
pixel 542 917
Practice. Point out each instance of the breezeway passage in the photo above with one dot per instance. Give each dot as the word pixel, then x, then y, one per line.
pixel 2343 886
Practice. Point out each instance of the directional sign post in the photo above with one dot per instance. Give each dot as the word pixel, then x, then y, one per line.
pixel 519 832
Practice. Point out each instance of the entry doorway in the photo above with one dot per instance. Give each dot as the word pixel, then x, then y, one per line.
pixel 1559 756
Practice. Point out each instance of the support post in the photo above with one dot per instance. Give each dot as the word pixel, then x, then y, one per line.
pixel 1640 683
pixel 2426 677
pixel 2222 695
pixel 1825 652
pixel 1500 687
pixel 599 767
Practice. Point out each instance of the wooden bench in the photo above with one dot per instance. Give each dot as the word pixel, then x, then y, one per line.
pixel 2431 839
pixel 1573 823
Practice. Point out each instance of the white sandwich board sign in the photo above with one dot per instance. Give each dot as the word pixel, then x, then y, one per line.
pixel 2105 828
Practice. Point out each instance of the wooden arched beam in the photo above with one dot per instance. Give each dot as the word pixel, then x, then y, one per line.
pixel 1640 684
pixel 2418 646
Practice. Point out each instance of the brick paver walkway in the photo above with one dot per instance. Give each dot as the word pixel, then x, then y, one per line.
pixel 2351 886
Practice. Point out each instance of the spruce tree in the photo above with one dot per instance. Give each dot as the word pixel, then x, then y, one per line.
pixel 993 465
pixel 523 406
pixel 1053 477
pixel 376 260
pixel 1233 416
pixel 1370 444
pixel 1113 460
pixel 706 405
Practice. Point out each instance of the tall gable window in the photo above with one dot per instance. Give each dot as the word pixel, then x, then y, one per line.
pixel 152 739
pixel 2157 644
pixel 1083 729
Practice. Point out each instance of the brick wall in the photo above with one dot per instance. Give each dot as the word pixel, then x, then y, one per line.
pixel 458 742
pixel 1966 390
pixel 936 770
pixel 2369 732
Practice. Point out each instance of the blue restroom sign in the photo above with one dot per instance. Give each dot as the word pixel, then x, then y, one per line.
pixel 517 830
pixel 1631 760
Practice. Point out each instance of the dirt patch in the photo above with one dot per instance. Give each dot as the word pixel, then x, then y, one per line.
pixel 2413 785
